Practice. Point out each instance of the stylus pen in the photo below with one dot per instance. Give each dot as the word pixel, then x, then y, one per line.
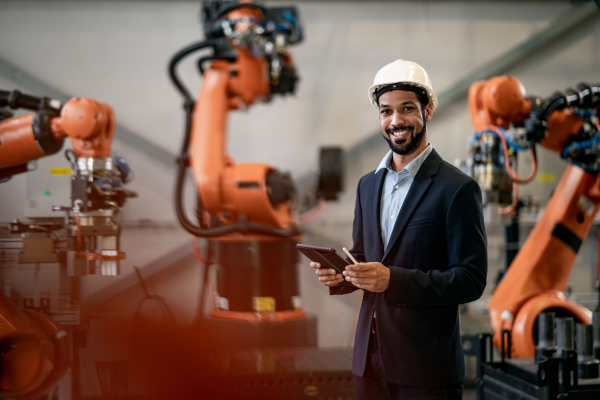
pixel 350 255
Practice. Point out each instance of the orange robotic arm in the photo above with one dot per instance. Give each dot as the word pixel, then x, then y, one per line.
pixel 88 123
pixel 34 352
pixel 34 349
pixel 249 64
pixel 538 275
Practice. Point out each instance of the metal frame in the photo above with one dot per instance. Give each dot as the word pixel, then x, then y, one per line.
pixel 524 379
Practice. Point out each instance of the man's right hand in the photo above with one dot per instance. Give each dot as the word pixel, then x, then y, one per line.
pixel 328 277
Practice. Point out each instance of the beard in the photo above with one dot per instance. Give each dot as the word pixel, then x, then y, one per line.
pixel 407 145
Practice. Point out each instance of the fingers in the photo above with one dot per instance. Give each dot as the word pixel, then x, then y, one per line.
pixel 364 283
pixel 362 267
pixel 361 275
pixel 355 275
pixel 373 277
pixel 331 279
pixel 327 276
pixel 322 271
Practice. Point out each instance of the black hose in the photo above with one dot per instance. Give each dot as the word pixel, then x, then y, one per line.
pixel 183 160
pixel 16 99
pixel 202 60
pixel 243 226
pixel 188 100
pixel 180 55
pixel 584 95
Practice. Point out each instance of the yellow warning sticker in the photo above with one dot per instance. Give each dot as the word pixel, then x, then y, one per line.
pixel 263 304
pixel 546 178
pixel 60 171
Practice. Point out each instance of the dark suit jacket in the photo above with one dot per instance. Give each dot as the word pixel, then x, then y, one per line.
pixel 437 256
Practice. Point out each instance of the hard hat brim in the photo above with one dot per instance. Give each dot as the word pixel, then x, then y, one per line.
pixel 430 93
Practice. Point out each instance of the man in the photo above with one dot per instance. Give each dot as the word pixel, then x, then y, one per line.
pixel 420 243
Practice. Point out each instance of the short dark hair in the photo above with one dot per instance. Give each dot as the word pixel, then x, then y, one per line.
pixel 421 93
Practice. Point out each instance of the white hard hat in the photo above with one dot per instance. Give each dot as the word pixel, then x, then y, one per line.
pixel 405 72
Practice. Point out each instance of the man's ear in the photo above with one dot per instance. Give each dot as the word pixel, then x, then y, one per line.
pixel 428 111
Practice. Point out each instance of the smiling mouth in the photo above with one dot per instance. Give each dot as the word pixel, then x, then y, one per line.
pixel 400 133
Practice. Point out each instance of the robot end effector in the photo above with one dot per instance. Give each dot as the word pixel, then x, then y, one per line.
pixel 506 122
pixel 97 178
pixel 501 102
pixel 89 125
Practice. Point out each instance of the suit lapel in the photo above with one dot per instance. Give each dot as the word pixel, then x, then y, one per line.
pixel 417 190
pixel 375 207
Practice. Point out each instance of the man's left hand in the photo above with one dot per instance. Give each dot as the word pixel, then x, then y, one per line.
pixel 373 276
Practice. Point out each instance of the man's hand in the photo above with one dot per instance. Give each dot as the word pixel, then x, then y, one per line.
pixel 373 276
pixel 328 277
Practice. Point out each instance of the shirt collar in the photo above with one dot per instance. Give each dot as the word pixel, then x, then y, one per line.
pixel 412 167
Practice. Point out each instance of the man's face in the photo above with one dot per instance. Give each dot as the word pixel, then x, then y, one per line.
pixel 402 120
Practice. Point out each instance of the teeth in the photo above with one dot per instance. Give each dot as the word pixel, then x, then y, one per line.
pixel 399 133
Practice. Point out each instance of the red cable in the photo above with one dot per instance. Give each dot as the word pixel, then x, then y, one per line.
pixel 316 213
pixel 597 236
pixel 197 251
pixel 511 209
pixel 507 161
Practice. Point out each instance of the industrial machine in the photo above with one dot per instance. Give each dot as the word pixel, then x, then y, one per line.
pixel 83 239
pixel 247 212
pixel 506 123
pixel 248 216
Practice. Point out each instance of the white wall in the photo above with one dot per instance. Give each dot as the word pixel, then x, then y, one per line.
pixel 117 52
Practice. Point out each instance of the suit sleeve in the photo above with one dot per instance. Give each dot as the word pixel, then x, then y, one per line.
pixel 463 279
pixel 357 238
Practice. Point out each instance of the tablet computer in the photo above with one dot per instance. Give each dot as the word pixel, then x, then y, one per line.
pixel 326 256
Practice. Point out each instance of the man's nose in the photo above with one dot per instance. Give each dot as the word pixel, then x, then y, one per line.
pixel 397 119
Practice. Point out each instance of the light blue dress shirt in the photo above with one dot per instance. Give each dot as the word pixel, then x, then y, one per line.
pixel 395 189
